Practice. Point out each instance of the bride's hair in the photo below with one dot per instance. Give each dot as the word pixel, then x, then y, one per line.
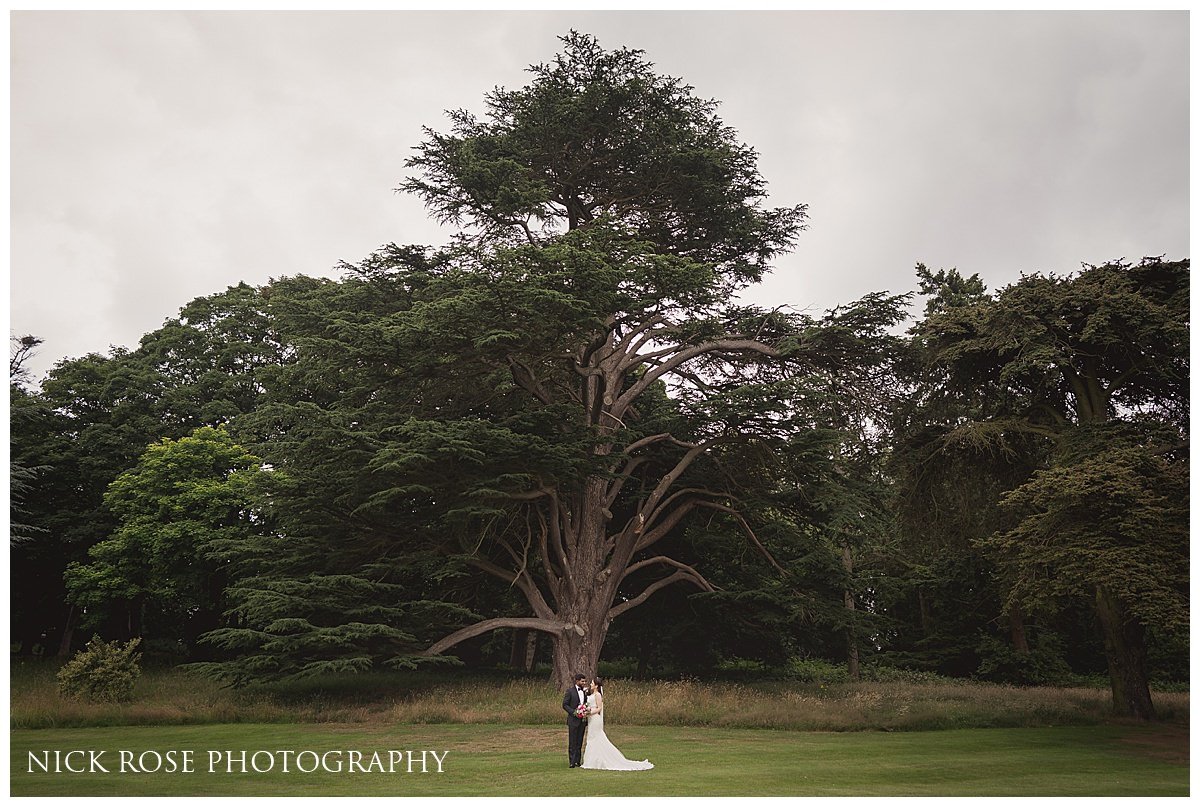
pixel 599 682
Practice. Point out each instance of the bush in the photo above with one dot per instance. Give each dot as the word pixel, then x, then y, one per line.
pixel 743 669
pixel 1042 665
pixel 103 672
pixel 816 671
pixel 618 668
pixel 902 675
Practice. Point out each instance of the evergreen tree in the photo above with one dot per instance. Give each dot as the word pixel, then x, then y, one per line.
pixel 1096 363
pixel 550 398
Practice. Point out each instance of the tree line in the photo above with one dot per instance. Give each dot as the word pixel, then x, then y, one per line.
pixel 560 437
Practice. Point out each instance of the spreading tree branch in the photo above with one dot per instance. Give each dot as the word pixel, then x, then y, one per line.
pixel 680 575
pixel 699 579
pixel 683 356
pixel 521 580
pixel 551 626
pixel 747 529
pixel 525 379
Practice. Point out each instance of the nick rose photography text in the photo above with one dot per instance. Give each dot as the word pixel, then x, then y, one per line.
pixel 285 761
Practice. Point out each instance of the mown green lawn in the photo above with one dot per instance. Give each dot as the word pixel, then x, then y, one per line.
pixel 1106 760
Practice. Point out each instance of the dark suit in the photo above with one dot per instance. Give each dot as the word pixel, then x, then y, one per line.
pixel 575 726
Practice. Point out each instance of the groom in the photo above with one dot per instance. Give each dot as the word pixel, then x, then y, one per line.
pixel 575 696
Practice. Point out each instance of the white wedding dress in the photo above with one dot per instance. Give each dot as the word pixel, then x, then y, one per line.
pixel 598 751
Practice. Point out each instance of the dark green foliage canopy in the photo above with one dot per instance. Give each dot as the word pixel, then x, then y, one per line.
pixel 565 411
pixel 94 416
pixel 1116 517
pixel 1081 379
pixel 598 137
pixel 1111 341
pixel 181 512
pixel 569 381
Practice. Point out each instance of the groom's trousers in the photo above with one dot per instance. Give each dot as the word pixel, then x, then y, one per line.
pixel 575 728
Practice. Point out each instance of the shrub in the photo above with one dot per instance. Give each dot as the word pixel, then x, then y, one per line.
pixel 618 668
pixel 742 669
pixel 103 672
pixel 902 675
pixel 1042 665
pixel 816 671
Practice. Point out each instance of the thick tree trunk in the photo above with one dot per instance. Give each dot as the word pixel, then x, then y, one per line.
pixel 531 643
pixel 578 623
pixel 578 650
pixel 575 654
pixel 1016 630
pixel 923 606
pixel 852 654
pixel 68 635
pixel 516 654
pixel 524 649
pixel 851 606
pixel 1125 647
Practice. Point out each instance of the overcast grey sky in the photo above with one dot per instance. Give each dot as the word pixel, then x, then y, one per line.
pixel 161 156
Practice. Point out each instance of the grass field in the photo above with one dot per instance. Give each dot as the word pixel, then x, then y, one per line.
pixel 504 736
pixel 505 760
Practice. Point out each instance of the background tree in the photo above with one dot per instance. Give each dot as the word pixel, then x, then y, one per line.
pixel 944 597
pixel 22 406
pixel 30 430
pixel 555 395
pixel 181 512
pixel 1086 360
pixel 91 419
pixel 20 349
pixel 1111 525
pixel 344 580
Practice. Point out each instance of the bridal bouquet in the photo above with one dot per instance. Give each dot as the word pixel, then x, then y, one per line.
pixel 581 711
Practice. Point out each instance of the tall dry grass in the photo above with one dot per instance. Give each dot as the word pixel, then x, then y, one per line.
pixel 175 697
pixel 808 707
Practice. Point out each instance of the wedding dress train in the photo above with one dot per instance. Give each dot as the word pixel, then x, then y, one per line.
pixel 599 753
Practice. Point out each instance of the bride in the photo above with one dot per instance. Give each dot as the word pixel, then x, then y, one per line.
pixel 600 753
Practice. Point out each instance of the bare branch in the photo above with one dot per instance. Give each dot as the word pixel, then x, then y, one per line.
pixel 529 495
pixel 699 578
pixel 645 441
pixel 553 580
pixel 642 329
pixel 632 359
pixel 668 479
pixel 521 580
pixel 525 379
pixel 633 462
pixel 528 233
pixel 551 626
pixel 614 417
pixel 621 608
pixel 648 538
pixel 624 476
pixel 558 541
pixel 746 528
pixel 686 355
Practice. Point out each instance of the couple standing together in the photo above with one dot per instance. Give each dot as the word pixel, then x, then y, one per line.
pixel 584 705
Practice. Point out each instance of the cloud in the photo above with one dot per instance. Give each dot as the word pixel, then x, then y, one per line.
pixel 157 157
